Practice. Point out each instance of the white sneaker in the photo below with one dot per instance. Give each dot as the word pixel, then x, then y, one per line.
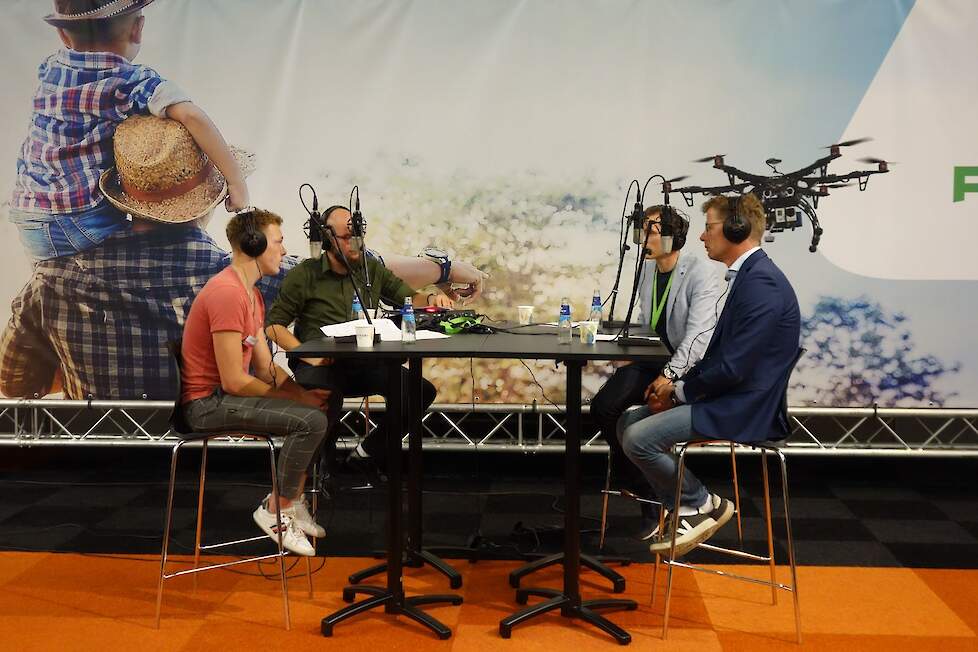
pixel 292 537
pixel 304 519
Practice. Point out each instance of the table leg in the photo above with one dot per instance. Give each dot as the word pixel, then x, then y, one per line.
pixel 415 555
pixel 392 596
pixel 569 600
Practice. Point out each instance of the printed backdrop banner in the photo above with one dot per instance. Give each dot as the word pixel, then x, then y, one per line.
pixel 507 132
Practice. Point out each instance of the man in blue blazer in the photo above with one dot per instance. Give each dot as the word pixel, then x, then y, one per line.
pixel 735 391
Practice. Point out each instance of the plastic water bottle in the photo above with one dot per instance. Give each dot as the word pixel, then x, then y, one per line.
pixel 408 326
pixel 564 334
pixel 357 308
pixel 595 307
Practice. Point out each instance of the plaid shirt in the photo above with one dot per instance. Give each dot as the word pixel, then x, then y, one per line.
pixel 81 99
pixel 104 316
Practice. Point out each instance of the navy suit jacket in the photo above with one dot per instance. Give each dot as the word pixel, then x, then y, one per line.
pixel 736 390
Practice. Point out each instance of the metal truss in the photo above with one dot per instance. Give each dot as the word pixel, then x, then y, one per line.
pixel 498 427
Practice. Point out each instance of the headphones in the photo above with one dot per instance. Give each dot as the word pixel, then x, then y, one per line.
pixel 327 235
pixel 253 241
pixel 668 216
pixel 735 227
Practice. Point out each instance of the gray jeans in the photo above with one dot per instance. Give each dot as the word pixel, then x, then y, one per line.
pixel 303 427
pixel 648 440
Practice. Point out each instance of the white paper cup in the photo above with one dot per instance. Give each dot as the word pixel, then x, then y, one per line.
pixel 525 314
pixel 372 313
pixel 589 332
pixel 365 336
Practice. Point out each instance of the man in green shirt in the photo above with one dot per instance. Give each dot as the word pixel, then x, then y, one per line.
pixel 319 292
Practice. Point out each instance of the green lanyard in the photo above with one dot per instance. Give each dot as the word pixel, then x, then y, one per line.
pixel 659 306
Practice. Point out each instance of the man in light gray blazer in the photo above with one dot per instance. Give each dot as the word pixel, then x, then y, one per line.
pixel 679 299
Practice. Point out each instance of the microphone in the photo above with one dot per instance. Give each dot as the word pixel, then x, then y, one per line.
pixel 666 230
pixel 358 225
pixel 315 228
pixel 637 219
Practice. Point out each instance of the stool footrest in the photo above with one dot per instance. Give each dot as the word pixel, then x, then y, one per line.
pixel 732 552
pixel 734 576
pixel 201 569
pixel 212 546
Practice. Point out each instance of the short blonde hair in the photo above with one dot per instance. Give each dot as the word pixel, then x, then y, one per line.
pixel 749 207
pixel 238 224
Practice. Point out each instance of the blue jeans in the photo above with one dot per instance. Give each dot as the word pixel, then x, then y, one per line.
pixel 648 440
pixel 49 235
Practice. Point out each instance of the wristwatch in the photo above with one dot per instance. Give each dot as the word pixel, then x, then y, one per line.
pixel 669 374
pixel 441 257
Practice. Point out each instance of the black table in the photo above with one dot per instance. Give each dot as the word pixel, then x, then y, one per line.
pixel 502 346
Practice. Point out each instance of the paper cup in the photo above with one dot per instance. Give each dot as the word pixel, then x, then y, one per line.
pixel 365 336
pixel 589 332
pixel 525 314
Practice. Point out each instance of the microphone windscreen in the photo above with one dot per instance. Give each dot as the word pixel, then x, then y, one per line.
pixel 666 244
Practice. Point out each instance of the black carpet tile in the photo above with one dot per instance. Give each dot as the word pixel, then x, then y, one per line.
pixel 845 512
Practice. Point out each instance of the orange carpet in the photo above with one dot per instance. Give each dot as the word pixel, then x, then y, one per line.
pixel 83 602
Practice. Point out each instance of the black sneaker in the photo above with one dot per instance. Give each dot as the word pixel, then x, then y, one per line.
pixel 366 466
pixel 696 528
pixel 649 529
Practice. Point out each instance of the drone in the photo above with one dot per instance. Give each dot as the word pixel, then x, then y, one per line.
pixel 787 197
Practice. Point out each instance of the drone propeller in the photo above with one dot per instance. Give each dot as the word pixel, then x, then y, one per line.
pixel 707 159
pixel 849 143
pixel 876 161
pixel 678 179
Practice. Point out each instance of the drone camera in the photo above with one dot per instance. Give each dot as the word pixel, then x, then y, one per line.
pixel 783 218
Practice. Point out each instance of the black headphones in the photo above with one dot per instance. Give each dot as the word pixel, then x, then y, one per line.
pixel 327 235
pixel 668 216
pixel 253 241
pixel 735 227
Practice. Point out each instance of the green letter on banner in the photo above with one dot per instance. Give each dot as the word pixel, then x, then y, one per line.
pixel 961 186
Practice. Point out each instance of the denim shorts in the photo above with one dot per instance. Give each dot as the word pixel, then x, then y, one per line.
pixel 48 235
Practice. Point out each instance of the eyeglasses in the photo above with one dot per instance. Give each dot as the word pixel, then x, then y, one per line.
pixel 709 224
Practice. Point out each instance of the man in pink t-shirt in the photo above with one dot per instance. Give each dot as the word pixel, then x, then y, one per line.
pixel 230 382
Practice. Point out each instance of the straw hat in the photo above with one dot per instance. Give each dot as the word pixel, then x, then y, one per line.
pixel 109 9
pixel 161 174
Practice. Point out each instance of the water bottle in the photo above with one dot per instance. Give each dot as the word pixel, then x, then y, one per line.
pixel 595 307
pixel 408 326
pixel 357 308
pixel 564 334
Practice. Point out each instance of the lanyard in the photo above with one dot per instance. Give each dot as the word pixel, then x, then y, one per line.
pixel 657 305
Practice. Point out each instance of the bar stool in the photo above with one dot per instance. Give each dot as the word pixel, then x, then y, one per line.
pixel 180 427
pixel 766 448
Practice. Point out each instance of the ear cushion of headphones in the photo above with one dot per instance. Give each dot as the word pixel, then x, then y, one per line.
pixel 735 227
pixel 253 241
pixel 327 238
